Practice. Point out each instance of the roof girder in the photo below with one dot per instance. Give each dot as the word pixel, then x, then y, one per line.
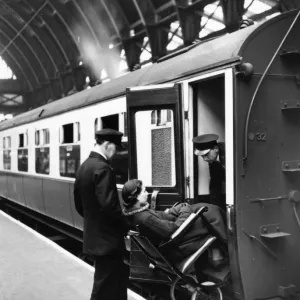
pixel 13 60
pixel 233 11
pixel 23 56
pixel 25 41
pixel 44 42
pixel 156 30
pixel 69 62
pixel 190 19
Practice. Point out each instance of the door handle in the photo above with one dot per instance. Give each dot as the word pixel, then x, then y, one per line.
pixel 229 210
pixel 153 199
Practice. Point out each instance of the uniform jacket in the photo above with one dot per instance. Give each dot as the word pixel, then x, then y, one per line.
pixel 96 200
pixel 217 177
pixel 158 226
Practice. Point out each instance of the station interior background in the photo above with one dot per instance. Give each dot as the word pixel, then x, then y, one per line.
pixel 107 39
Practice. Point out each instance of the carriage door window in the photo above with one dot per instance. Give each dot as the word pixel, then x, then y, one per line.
pixel 7 153
pixel 23 152
pixel 69 149
pixel 120 160
pixel 42 151
pixel 155 139
pixel 155 147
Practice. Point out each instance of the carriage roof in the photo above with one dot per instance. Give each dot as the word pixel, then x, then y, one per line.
pixel 197 58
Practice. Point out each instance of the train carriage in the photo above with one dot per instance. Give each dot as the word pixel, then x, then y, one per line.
pixel 242 86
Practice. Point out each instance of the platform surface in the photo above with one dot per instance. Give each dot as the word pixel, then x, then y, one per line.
pixel 35 268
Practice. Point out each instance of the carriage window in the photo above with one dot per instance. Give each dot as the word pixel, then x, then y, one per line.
pixel 42 137
pixel 21 140
pixel 46 136
pixel 37 138
pixel 111 121
pixel 155 147
pixel 69 155
pixel 7 153
pixel 120 160
pixel 120 164
pixel 125 124
pixel 42 160
pixel 70 133
pixel 161 117
pixel 69 160
pixel 42 151
pixel 23 153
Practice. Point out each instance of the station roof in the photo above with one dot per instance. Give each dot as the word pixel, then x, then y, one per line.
pixel 216 52
pixel 58 47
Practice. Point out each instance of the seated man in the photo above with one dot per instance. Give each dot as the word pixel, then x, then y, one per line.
pixel 158 226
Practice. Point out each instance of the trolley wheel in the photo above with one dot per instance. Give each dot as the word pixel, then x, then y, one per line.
pixel 207 291
pixel 180 288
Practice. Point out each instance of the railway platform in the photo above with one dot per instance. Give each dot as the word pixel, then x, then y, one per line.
pixel 35 268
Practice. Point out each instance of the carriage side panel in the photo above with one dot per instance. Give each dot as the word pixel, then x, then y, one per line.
pixel 267 231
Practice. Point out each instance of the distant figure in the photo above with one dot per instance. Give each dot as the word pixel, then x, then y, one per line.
pixel 207 147
pixel 97 201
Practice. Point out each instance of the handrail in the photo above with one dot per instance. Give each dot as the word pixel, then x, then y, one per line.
pixel 258 86
pixel 296 214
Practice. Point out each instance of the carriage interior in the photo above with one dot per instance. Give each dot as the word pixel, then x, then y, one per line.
pixel 209 118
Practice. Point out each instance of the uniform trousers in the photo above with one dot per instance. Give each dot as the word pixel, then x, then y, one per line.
pixel 110 278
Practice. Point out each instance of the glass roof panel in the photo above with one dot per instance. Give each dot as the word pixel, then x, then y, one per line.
pixel 214 9
pixel 204 32
pixel 213 25
pixel 5 71
pixel 257 6
pixel 145 56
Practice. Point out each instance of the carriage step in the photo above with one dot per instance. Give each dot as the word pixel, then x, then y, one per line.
pixel 217 276
pixel 272 231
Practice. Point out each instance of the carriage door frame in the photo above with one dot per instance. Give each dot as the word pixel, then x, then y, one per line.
pixel 188 99
pixel 189 128
pixel 162 97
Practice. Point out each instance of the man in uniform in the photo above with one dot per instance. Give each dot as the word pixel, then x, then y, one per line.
pixel 212 152
pixel 96 200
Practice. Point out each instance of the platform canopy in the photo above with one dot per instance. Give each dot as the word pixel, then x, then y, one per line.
pixel 55 48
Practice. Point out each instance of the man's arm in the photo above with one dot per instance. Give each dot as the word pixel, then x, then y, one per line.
pixel 107 194
pixel 180 209
pixel 77 199
pixel 163 228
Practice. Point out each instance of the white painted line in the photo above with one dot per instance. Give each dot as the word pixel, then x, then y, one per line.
pixel 54 245
pixel 152 87
pixel 229 137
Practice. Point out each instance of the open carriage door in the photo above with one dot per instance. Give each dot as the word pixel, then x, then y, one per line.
pixel 155 141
